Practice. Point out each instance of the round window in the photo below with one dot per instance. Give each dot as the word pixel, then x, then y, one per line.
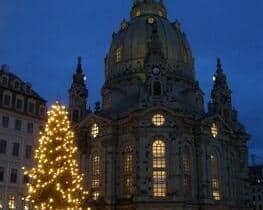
pixel 158 120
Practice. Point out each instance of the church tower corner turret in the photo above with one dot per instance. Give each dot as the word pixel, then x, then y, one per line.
pixel 78 95
pixel 221 95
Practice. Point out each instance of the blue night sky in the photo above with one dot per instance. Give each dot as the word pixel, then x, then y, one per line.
pixel 41 40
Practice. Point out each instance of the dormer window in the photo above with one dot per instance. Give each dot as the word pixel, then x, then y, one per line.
pixel 4 80
pixel 124 25
pixel 118 55
pixel 16 85
pixel 28 88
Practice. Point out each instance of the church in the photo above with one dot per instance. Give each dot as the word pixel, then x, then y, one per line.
pixel 151 144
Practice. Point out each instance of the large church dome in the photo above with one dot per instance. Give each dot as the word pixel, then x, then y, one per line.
pixel 130 45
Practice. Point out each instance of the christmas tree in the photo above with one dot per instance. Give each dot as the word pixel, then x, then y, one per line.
pixel 56 181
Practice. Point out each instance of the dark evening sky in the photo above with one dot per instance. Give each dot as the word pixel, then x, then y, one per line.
pixel 41 40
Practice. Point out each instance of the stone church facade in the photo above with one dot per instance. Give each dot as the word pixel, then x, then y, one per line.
pixel 151 145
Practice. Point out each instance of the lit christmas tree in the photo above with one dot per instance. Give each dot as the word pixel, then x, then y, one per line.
pixel 56 181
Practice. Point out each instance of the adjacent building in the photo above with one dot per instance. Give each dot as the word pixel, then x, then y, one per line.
pixel 256 187
pixel 151 144
pixel 22 112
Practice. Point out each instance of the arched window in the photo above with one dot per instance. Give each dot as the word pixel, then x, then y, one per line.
pixel 184 54
pixel 75 116
pixel 214 130
pixel 118 55
pixel 187 171
pixel 127 170
pixel 215 177
pixel 157 88
pixel 159 168
pixel 96 175
pixel 232 165
pixel 95 130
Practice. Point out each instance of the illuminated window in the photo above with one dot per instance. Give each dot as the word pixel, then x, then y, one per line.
pixel 160 13
pixel 95 182
pixel 1 202
pixel 26 205
pixel 215 178
pixel 214 130
pixel 95 195
pixel 158 120
pixel 159 168
pixel 137 13
pixel 127 170
pixel 95 130
pixel 118 55
pixel 12 202
pixel 151 20
pixel 187 171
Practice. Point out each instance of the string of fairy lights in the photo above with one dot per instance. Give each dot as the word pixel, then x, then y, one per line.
pixel 56 181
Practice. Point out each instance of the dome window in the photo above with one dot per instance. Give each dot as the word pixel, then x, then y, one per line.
pixel 124 25
pixel 16 85
pixel 4 80
pixel 151 20
pixel 118 55
pixel 158 120
pixel 137 13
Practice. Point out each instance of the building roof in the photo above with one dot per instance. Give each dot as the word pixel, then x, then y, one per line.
pixel 131 44
pixel 13 82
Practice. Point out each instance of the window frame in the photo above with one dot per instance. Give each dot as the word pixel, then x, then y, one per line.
pixel 18 124
pixel 30 129
pixel 118 55
pixel 215 177
pixel 158 120
pixel 187 170
pixel 13 175
pixel 3 147
pixel 33 103
pixel 21 98
pixel 12 202
pixel 214 130
pixel 28 152
pixel 7 94
pixel 16 149
pixel 159 168
pixel 2 174
pixel 95 171
pixel 94 130
pixel 5 121
pixel 127 163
